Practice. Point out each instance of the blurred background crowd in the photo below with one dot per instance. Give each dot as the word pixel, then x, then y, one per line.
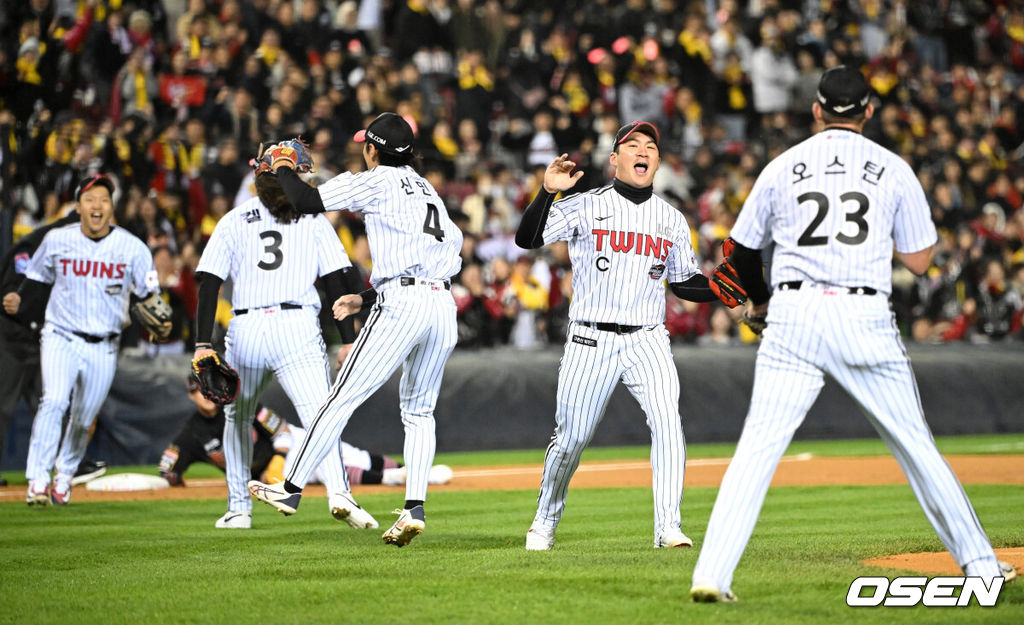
pixel 172 98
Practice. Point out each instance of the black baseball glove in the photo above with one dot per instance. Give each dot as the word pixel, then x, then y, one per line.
pixel 217 381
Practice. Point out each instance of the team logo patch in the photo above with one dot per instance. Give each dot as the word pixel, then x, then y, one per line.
pixel 656 271
pixel 21 263
pixel 113 289
pixel 576 338
pixel 252 216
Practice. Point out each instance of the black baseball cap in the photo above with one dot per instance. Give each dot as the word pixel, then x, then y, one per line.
pixel 646 128
pixel 91 181
pixel 843 91
pixel 389 133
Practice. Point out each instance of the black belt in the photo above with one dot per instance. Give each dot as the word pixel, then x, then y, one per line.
pixel 284 306
pixel 854 290
pixel 611 327
pixel 410 281
pixel 92 338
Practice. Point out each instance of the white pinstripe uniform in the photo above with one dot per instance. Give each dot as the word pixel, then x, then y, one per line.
pixel 621 254
pixel 832 207
pixel 84 316
pixel 274 267
pixel 415 249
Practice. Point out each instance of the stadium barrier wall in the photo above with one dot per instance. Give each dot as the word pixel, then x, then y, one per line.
pixel 505 399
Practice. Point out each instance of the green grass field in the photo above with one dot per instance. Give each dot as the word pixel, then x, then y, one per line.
pixel 163 562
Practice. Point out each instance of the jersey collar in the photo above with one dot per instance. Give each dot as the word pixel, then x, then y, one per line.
pixel 631 193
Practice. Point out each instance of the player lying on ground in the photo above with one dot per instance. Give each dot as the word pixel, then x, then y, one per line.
pixel 624 242
pixel 831 209
pixel 275 440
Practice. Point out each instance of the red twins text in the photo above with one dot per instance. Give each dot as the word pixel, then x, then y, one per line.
pixel 92 268
pixel 641 244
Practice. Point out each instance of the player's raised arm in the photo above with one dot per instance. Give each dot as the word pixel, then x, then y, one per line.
pixel 557 177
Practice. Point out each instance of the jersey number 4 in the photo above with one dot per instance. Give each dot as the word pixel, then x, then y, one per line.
pixel 432 224
pixel 856 217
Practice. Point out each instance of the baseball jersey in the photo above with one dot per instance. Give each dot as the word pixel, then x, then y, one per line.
pixel 407 225
pixel 270 261
pixel 833 205
pixel 621 254
pixel 91 277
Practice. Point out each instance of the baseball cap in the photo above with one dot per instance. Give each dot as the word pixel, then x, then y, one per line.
pixel 646 128
pixel 389 133
pixel 91 181
pixel 843 91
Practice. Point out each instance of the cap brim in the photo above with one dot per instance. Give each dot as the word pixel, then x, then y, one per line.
pixel 646 128
pixel 360 137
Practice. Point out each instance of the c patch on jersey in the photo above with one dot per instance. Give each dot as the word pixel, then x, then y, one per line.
pixel 582 340
pixel 656 271
pixel 113 289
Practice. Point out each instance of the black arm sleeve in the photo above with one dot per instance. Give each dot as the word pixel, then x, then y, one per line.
pixel 748 266
pixel 303 197
pixel 206 311
pixel 530 234
pixel 337 284
pixel 33 294
pixel 694 289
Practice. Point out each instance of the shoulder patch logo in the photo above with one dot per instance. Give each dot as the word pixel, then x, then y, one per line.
pixel 252 216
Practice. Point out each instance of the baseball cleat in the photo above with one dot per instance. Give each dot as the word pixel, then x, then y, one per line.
pixel 60 492
pixel 235 521
pixel 275 495
pixel 37 494
pixel 344 508
pixel 672 538
pixel 88 470
pixel 540 538
pixel 1009 573
pixel 409 525
pixel 711 594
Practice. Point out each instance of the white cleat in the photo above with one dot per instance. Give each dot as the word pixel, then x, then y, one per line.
pixel 409 525
pixel 344 508
pixel 706 593
pixel 672 538
pixel 235 521
pixel 540 538
pixel 1009 573
pixel 275 495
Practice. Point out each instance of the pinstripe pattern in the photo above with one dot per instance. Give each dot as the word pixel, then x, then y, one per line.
pixel 413 327
pixel 269 269
pixel 621 254
pixel 853 338
pixel 396 206
pixel 91 282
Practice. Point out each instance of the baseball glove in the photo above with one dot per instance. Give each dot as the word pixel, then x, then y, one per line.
pixel 155 315
pixel 756 323
pixel 725 283
pixel 217 381
pixel 293 151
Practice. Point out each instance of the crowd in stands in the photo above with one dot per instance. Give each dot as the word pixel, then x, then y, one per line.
pixel 172 98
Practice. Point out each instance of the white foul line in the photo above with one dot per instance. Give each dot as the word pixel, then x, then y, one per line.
pixel 613 466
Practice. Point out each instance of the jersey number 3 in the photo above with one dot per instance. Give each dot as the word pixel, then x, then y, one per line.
pixel 432 224
pixel 273 248
pixel 856 217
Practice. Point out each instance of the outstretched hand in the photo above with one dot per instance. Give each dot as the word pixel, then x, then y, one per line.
pixel 557 177
pixel 347 305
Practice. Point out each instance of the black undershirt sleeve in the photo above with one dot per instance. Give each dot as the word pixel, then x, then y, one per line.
pixel 303 197
pixel 530 234
pixel 33 294
pixel 694 289
pixel 749 268
pixel 337 284
pixel 206 311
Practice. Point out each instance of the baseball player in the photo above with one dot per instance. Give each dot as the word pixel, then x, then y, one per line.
pixel 624 242
pixel 274 255
pixel 832 207
pixel 92 267
pixel 415 249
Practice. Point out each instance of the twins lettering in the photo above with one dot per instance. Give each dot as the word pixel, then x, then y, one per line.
pixel 637 242
pixel 92 268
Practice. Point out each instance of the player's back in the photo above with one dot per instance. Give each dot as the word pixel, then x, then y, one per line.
pixel 271 262
pixel 408 228
pixel 835 202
